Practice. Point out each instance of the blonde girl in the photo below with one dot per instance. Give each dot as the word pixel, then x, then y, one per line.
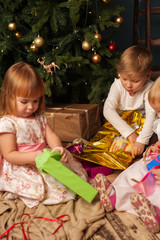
pixel 24 133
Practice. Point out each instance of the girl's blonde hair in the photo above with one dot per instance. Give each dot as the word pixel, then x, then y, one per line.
pixel 154 95
pixel 135 60
pixel 21 80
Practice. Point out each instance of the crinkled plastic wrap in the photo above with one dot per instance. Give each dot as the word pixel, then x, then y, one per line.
pixel 108 148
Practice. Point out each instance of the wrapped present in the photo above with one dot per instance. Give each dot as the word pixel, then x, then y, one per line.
pixel 49 162
pixel 74 121
pixel 104 148
pixel 147 185
pixel 154 163
pixel 92 169
pixel 120 143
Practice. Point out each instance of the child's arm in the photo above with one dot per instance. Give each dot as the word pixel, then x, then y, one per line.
pixel 110 110
pixel 132 137
pixel 10 153
pixel 147 130
pixel 137 149
pixel 55 143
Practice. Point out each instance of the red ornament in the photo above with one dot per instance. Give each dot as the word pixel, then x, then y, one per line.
pixel 112 46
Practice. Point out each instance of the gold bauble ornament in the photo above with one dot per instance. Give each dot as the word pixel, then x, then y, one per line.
pixel 119 20
pixel 12 26
pixel 98 36
pixel 86 45
pixel 96 58
pixel 39 41
pixel 18 35
pixel 105 1
pixel 33 47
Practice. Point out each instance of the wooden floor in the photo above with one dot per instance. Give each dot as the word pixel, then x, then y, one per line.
pixel 123 226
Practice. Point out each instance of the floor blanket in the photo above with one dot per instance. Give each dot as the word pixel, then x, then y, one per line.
pixel 84 219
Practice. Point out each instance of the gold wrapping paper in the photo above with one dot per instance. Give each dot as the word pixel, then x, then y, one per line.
pixel 98 149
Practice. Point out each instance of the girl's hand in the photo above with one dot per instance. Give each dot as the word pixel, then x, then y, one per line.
pixel 154 148
pixel 149 150
pixel 64 153
pixel 137 149
pixel 37 153
pixel 156 172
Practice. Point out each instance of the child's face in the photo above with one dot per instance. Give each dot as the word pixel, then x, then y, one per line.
pixel 133 84
pixel 25 107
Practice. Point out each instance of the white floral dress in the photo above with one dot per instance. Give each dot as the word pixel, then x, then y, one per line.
pixel 26 181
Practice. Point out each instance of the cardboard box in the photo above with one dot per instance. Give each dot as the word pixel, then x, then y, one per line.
pixel 74 121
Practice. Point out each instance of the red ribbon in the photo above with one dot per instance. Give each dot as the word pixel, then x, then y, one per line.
pixel 58 219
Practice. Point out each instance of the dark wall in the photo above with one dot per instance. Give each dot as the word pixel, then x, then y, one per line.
pixel 123 38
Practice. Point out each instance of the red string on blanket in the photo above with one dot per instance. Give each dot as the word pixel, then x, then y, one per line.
pixel 58 219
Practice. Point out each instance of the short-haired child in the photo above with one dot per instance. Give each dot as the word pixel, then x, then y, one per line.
pixel 130 92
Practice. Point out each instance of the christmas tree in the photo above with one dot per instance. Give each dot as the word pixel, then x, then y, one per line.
pixel 69 42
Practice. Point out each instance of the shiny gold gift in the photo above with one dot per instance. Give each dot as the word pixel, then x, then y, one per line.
pixel 109 148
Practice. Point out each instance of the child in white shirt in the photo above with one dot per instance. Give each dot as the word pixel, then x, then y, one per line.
pixel 130 92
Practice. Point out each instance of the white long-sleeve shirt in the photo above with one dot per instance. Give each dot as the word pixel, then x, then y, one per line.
pixel 119 100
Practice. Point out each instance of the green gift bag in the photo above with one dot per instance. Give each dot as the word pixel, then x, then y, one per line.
pixel 49 162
